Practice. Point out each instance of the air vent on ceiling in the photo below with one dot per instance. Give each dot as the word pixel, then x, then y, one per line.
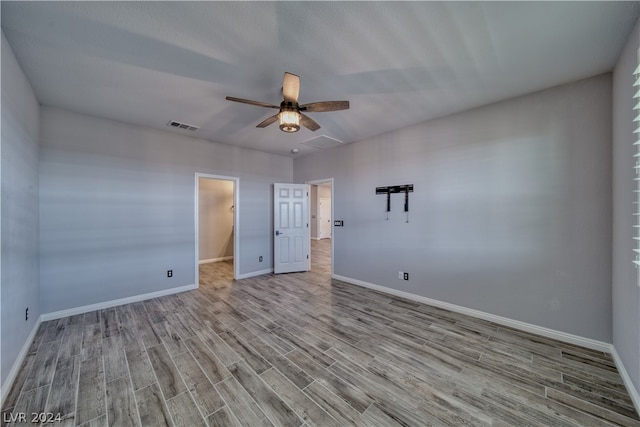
pixel 180 125
pixel 323 142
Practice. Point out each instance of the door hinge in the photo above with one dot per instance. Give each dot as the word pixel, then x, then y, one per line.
pixel 307 256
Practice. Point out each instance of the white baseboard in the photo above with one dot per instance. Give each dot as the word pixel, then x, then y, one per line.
pixel 6 386
pixel 550 333
pixel 207 261
pixel 516 324
pixel 633 392
pixel 17 364
pixel 255 273
pixel 121 301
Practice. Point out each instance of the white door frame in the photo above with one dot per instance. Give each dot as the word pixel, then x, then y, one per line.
pixel 333 191
pixel 236 222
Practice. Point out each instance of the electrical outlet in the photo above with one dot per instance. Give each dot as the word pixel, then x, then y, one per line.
pixel 26 314
pixel 406 276
pixel 260 258
pixel 169 273
pixel 400 275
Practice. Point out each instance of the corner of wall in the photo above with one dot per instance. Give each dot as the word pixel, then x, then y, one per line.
pixel 19 256
pixel 625 292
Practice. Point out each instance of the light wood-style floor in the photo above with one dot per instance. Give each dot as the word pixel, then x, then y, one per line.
pixel 303 350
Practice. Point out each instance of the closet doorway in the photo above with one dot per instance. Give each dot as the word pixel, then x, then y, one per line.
pixel 216 223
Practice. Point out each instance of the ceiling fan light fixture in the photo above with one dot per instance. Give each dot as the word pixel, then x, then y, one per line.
pixel 289 111
pixel 289 120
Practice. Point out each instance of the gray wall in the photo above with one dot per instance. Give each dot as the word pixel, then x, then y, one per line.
pixel 117 207
pixel 511 213
pixel 215 218
pixel 19 211
pixel 626 292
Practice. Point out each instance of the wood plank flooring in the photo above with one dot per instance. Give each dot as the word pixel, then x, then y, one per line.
pixel 303 350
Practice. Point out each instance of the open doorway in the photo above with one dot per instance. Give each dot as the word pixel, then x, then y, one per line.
pixel 216 225
pixel 321 216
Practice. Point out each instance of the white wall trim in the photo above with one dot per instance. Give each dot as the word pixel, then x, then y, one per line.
pixel 121 301
pixel 8 383
pixel 13 373
pixel 255 273
pixel 550 333
pixel 516 324
pixel 633 393
pixel 207 261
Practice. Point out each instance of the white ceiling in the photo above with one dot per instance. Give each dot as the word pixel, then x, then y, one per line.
pixel 397 63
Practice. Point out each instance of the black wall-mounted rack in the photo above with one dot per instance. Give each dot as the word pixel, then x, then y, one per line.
pixel 406 189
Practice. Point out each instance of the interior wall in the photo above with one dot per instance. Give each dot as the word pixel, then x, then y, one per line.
pixel 215 217
pixel 626 291
pixel 510 215
pixel 117 207
pixel 313 210
pixel 19 210
pixel 317 192
pixel 324 192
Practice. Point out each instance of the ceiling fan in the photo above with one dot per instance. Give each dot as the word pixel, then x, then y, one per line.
pixel 290 113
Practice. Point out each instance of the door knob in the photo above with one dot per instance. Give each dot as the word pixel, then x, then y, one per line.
pixel 277 232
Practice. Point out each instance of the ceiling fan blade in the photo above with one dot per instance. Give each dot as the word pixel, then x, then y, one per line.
pixel 266 122
pixel 248 101
pixel 291 87
pixel 307 122
pixel 318 107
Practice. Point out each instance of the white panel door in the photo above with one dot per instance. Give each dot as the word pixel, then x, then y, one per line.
pixel 291 243
pixel 324 221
